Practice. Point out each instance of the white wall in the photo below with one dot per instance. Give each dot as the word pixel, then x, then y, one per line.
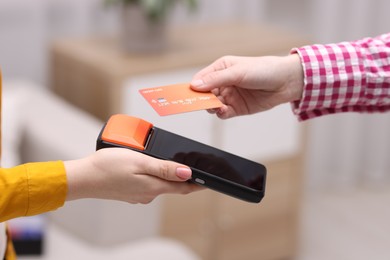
pixel 23 37
pixel 27 27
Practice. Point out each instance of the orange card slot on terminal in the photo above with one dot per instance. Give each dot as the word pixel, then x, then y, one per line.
pixel 127 131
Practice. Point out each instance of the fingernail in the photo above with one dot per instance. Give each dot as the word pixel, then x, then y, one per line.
pixel 198 83
pixel 183 173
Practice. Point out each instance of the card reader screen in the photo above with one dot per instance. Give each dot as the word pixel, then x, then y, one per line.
pixel 208 159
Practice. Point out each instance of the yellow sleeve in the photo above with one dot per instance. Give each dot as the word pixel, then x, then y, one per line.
pixel 31 189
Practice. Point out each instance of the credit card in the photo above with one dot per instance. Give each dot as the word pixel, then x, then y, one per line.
pixel 179 98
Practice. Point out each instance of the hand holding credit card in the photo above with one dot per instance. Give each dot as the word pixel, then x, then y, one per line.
pixel 179 98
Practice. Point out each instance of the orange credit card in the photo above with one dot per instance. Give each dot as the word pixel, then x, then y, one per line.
pixel 179 98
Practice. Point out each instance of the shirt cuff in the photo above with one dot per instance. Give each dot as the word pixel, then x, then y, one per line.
pixel 333 80
pixel 47 186
pixel 344 77
pixel 296 105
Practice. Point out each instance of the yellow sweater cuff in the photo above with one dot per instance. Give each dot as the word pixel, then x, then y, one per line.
pixel 47 186
pixel 32 188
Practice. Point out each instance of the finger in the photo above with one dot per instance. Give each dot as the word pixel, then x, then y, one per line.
pixel 179 188
pixel 157 187
pixel 184 173
pixel 208 75
pixel 225 112
pixel 214 80
pixel 204 71
pixel 212 110
pixel 219 64
pixel 168 170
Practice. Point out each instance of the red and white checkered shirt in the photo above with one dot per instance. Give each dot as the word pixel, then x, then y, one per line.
pixel 345 77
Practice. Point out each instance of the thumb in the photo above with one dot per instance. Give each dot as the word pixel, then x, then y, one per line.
pixel 213 80
pixel 169 170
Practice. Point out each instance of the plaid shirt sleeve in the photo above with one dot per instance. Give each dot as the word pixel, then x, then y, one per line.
pixel 345 77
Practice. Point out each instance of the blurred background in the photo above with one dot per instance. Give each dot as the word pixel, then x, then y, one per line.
pixel 66 67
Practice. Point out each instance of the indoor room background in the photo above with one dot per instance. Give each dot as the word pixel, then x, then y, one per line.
pixel 345 188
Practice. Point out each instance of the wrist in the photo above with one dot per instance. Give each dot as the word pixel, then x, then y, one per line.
pixel 295 79
pixel 79 184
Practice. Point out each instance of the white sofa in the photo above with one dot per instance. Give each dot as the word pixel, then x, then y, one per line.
pixel 39 126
